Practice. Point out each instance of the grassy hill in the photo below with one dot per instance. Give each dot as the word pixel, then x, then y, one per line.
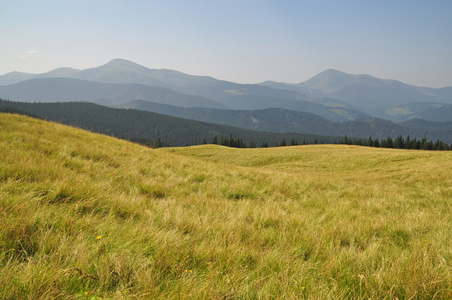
pixel 86 216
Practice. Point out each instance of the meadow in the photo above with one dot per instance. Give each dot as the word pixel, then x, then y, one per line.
pixel 86 216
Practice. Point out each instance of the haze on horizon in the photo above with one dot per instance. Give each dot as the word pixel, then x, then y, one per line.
pixel 246 41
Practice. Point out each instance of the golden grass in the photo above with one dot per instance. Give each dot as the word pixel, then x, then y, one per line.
pixel 86 216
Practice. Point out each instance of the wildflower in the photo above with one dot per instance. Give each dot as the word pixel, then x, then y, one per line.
pixel 99 237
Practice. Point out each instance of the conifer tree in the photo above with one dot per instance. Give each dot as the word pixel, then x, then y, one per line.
pixel 159 143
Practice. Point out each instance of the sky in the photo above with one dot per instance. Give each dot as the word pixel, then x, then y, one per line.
pixel 245 41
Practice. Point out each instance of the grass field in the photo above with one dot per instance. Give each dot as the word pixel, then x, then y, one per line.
pixel 85 216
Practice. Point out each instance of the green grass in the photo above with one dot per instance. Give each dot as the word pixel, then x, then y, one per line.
pixel 85 216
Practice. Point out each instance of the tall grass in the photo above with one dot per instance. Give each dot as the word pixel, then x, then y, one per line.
pixel 85 216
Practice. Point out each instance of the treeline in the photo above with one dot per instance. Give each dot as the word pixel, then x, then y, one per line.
pixel 399 143
pixel 238 142
pixel 13 110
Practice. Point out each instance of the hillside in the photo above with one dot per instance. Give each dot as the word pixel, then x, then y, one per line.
pixel 67 90
pixel 88 216
pixel 282 120
pixel 434 112
pixel 374 96
pixel 269 119
pixel 147 127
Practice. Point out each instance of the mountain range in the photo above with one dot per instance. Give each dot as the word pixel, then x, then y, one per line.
pixel 371 95
pixel 320 103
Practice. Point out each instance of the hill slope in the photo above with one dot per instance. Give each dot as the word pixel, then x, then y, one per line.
pixel 434 112
pixel 269 119
pixel 282 120
pixel 67 90
pixel 371 93
pixel 146 127
pixel 88 216
pixel 374 96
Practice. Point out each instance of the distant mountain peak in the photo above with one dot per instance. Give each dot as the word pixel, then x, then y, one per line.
pixel 120 63
pixel 328 80
pixel 332 71
pixel 59 72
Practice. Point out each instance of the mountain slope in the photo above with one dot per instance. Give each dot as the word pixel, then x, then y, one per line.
pixel 434 112
pixel 124 71
pixel 147 127
pixel 67 89
pixel 281 120
pixel 229 94
pixel 270 119
pixel 371 94
pixel 15 77
pixel 374 96
pixel 356 96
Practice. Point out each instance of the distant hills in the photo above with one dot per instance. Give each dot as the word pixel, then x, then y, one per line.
pixel 213 93
pixel 141 123
pixel 68 89
pixel 282 120
pixel 147 127
pixel 332 102
pixel 374 96
pixel 435 112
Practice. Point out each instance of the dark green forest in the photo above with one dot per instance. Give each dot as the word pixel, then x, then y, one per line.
pixel 283 120
pixel 149 128
pixel 399 143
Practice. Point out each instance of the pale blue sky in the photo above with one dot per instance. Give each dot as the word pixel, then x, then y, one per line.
pixel 245 41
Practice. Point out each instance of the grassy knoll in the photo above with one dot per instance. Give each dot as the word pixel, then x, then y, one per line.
pixel 85 216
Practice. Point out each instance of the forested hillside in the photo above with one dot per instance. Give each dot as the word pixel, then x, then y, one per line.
pixel 148 128
pixel 282 120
